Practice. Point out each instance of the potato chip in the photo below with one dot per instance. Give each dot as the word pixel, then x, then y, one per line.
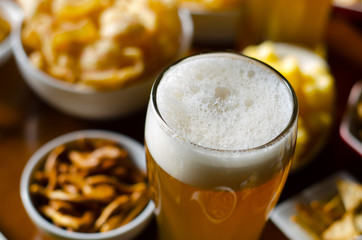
pixel 65 220
pixel 130 68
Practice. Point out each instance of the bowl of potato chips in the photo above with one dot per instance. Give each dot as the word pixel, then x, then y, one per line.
pixel 98 59
pixel 88 184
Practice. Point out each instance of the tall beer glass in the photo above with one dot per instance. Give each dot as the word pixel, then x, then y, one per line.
pixel 220 135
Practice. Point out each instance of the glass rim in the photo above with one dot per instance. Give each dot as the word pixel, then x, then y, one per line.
pixel 275 140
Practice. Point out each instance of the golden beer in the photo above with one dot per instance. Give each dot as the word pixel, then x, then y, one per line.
pixel 204 185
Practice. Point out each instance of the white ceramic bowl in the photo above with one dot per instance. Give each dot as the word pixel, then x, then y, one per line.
pixel 87 102
pixel 13 15
pixel 126 232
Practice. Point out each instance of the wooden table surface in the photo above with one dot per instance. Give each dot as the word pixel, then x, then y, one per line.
pixel 26 123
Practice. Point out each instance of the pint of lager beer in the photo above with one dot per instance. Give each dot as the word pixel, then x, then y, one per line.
pixel 220 135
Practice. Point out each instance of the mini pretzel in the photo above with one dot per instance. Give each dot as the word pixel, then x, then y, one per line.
pixel 93 159
pixel 102 193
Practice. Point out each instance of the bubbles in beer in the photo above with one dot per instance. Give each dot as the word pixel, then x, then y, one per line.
pixel 224 103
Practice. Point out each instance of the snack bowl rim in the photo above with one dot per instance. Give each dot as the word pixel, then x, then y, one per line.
pixel 127 231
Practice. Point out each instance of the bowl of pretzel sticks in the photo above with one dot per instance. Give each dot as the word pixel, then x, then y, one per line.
pixel 88 184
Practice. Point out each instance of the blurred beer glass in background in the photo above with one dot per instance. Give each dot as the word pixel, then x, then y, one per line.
pixel 301 22
pixel 220 135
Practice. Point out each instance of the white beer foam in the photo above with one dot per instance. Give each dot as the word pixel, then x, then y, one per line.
pixel 216 101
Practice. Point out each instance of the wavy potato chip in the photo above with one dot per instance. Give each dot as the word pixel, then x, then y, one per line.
pixel 214 5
